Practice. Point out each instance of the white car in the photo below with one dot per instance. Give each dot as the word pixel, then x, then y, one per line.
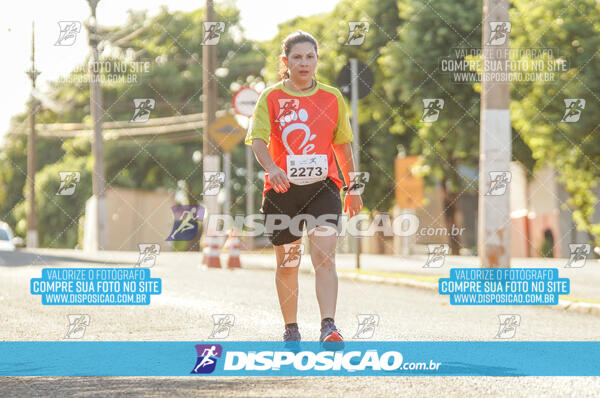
pixel 7 239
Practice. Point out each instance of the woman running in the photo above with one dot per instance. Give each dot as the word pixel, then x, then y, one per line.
pixel 297 127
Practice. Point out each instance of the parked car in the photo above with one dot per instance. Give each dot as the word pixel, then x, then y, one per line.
pixel 8 241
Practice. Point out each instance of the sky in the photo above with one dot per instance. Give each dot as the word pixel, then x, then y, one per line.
pixel 53 61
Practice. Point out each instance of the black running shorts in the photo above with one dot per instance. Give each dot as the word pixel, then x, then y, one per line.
pixel 313 205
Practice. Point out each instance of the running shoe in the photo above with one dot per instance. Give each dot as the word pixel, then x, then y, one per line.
pixel 291 334
pixel 331 337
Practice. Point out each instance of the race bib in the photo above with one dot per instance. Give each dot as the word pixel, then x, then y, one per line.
pixel 306 169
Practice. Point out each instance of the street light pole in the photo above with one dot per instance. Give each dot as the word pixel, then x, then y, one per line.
pixel 495 140
pixel 33 73
pixel 98 179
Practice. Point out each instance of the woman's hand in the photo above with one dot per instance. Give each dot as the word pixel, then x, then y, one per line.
pixel 352 204
pixel 278 179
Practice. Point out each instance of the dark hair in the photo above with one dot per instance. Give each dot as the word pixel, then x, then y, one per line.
pixel 298 36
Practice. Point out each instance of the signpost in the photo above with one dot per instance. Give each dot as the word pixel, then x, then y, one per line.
pixel 355 81
pixel 227 133
pixel 244 102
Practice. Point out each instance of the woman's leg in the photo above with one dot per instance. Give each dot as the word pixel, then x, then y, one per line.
pixel 286 281
pixel 323 241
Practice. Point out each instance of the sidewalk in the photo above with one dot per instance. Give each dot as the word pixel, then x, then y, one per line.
pixel 585 282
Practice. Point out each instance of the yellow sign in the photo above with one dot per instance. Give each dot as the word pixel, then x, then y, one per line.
pixel 226 132
pixel 409 189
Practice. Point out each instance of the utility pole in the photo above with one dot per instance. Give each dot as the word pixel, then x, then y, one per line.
pixel 211 153
pixel 495 139
pixel 249 189
pixel 33 73
pixel 98 179
pixel 356 142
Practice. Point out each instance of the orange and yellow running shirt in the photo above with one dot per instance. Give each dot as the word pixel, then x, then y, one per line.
pixel 301 124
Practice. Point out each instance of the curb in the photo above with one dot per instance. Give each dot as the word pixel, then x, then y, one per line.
pixel 564 305
pixel 583 308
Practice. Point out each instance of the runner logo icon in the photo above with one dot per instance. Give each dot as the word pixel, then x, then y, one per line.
pixel 578 255
pixel 212 33
pixel 437 255
pixel 287 108
pixel 366 326
pixel 357 34
pixel 185 226
pixel 573 109
pixel 508 326
pixel 498 33
pixel 222 324
pixel 207 358
pixel 68 33
pixel 431 109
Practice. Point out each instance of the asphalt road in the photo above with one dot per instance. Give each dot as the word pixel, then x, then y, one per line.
pixel 192 294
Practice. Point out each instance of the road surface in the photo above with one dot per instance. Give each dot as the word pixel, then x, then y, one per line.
pixel 192 294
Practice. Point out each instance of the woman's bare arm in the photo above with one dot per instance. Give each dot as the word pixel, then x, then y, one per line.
pixel 343 153
pixel 277 177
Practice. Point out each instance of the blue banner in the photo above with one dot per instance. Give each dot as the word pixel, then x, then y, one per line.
pixel 255 358
pixel 95 286
pixel 504 286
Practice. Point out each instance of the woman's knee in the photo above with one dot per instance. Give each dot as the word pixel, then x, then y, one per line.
pixel 287 271
pixel 321 259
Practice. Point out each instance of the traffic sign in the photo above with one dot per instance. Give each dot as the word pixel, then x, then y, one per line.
pixel 244 100
pixel 226 132
pixel 365 80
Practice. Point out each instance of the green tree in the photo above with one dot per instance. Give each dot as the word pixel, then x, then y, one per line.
pixel 172 44
pixel 411 68
pixel 537 107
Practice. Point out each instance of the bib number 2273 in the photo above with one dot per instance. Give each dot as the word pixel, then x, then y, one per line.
pixel 306 169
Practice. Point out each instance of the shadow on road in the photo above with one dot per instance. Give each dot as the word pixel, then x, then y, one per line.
pixel 144 387
pixel 20 258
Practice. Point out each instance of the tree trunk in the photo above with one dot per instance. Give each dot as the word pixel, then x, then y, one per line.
pixel 450 201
